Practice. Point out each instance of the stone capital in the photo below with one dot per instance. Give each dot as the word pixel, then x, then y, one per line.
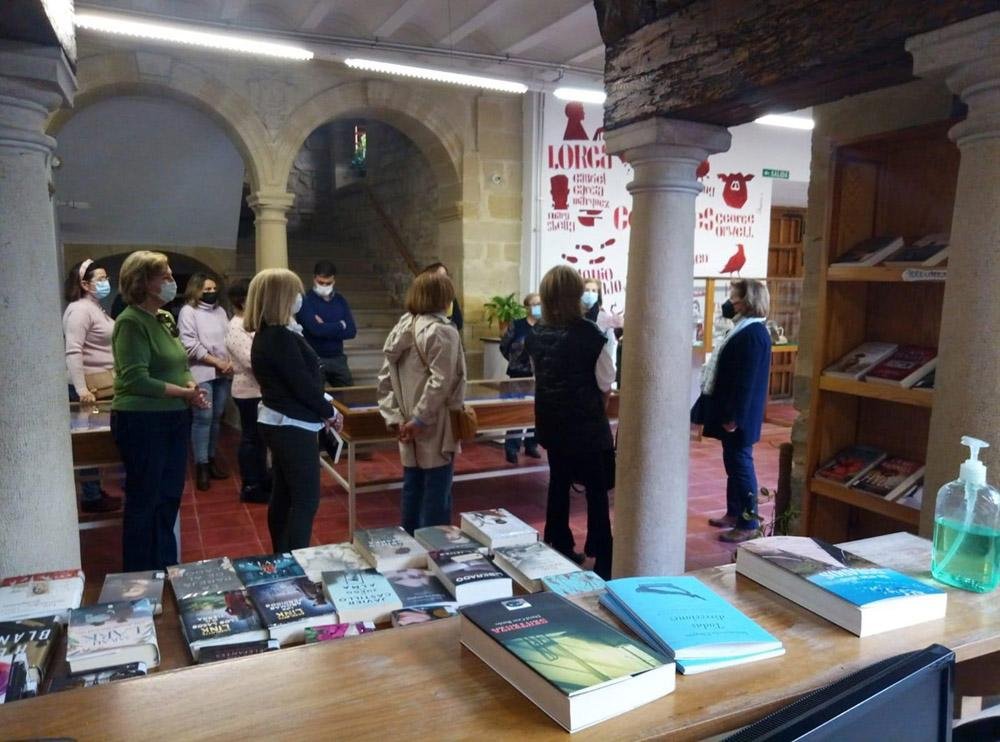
pixel 34 81
pixel 270 204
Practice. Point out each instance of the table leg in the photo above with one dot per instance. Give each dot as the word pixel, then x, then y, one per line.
pixel 351 486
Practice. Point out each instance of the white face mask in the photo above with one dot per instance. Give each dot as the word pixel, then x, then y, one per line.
pixel 589 298
pixel 323 291
pixel 296 305
pixel 168 291
pixel 102 288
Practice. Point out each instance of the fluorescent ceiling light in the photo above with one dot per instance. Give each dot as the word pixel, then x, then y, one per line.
pixel 423 73
pixel 181 35
pixel 581 94
pixel 789 122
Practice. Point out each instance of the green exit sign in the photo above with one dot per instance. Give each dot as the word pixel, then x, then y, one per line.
pixel 769 173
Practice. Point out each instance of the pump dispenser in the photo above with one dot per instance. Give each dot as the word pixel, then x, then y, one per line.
pixel 966 550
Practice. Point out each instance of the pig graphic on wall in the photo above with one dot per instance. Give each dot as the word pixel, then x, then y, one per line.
pixel 734 193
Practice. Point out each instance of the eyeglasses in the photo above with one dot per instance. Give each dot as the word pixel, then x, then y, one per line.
pixel 166 321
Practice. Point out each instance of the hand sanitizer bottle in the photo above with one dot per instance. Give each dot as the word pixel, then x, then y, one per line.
pixel 966 550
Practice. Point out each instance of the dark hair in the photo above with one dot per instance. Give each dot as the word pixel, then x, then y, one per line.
pixel 196 285
pixel 73 291
pixel 434 267
pixel 429 293
pixel 238 293
pixel 325 268
pixel 561 289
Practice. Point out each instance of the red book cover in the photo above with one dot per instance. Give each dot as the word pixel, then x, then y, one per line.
pixel 905 366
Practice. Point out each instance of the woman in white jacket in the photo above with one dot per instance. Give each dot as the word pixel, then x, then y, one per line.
pixel 421 381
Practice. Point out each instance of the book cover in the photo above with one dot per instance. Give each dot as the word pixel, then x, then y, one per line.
pixel 907 365
pixel 100 677
pixel 203 577
pixel 389 549
pixel 264 568
pixel 925 249
pixel 529 563
pixel 850 463
pixel 871 251
pixel 860 361
pixel 315 560
pixel 334 631
pixel 890 478
pixel 417 587
pixel 584 582
pixel 290 601
pixel 101 635
pixel 444 538
pixel 914 496
pixel 221 652
pixel 423 614
pixel 41 594
pixel 361 595
pixel 464 567
pixel 134 586
pixel 218 616
pixel 37 638
pixel 498 527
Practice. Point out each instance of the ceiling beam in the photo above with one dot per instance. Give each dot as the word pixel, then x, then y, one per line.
pixel 477 21
pixel 316 16
pixel 552 29
pixel 397 20
pixel 231 9
pixel 585 55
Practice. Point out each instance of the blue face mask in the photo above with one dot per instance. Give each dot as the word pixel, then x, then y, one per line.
pixel 536 311
pixel 102 289
pixel 589 298
pixel 168 291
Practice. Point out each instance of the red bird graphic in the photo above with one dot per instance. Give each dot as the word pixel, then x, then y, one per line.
pixel 736 262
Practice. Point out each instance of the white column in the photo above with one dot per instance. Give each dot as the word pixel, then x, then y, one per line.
pixel 38 518
pixel 967 387
pixel 653 434
pixel 271 209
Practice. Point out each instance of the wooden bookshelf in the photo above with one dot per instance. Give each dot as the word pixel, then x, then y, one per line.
pixel 898 183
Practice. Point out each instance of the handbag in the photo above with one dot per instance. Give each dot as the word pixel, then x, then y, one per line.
pixel 464 421
pixel 101 384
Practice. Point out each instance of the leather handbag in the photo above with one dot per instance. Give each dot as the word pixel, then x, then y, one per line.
pixel 101 384
pixel 464 423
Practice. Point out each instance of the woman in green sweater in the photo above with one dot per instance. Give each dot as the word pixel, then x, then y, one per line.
pixel 151 418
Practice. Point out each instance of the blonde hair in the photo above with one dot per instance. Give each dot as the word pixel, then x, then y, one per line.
pixel 561 290
pixel 756 297
pixel 270 297
pixel 429 293
pixel 138 269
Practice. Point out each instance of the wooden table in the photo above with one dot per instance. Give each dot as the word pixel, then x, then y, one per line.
pixel 500 405
pixel 418 682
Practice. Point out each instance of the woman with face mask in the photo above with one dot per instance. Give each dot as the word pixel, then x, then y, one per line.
pixel 150 416
pixel 203 324
pixel 514 349
pixel 87 330
pixel 610 324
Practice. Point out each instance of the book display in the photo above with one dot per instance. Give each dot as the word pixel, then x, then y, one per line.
pixel 205 577
pixel 111 634
pixel 315 560
pixel 528 564
pixel 469 576
pixel 134 586
pixel 288 607
pixel 360 595
pixel 498 527
pixel 899 183
pixel 890 478
pixel 35 639
pixel 446 538
pixel 265 568
pixel 219 619
pixel 418 587
pixel 390 549
pixel 41 594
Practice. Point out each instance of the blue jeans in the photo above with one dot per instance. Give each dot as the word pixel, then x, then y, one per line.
pixel 90 487
pixel 153 446
pixel 741 482
pixel 205 423
pixel 426 499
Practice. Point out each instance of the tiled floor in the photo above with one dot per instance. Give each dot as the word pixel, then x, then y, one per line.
pixel 216 523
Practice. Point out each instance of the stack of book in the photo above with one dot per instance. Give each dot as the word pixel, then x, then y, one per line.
pixel 360 595
pixel 929 251
pixel 111 634
pixel 41 594
pixel 496 528
pixel 528 565
pixel 904 366
pixel 447 538
pixel 469 576
pixel 28 646
pixel 872 470
pixel 315 560
pixel 134 586
pixel 390 549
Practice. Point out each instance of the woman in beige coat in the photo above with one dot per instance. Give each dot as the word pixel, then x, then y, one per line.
pixel 421 381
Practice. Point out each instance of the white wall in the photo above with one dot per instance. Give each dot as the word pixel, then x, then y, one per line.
pixel 153 171
pixel 777 148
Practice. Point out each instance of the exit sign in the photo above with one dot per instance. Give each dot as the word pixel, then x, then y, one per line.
pixel 769 173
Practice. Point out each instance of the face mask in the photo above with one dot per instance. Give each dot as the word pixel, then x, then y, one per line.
pixel 536 311
pixel 728 310
pixel 210 297
pixel 102 289
pixel 323 291
pixel 168 291
pixel 297 304
pixel 589 298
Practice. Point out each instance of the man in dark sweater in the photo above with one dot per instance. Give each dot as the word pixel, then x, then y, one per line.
pixel 327 322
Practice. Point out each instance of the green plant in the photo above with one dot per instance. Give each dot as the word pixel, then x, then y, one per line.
pixel 503 310
pixel 785 514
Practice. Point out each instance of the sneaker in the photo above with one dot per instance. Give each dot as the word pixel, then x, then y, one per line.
pixel 739 535
pixel 726 521
pixel 104 504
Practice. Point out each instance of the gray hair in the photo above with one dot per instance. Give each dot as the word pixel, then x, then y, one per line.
pixel 756 297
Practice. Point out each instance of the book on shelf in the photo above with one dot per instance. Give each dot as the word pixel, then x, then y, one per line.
pixel 99 677
pixel 860 361
pixel 841 587
pixel 578 584
pixel 688 622
pixel 925 252
pixel 134 586
pixel 37 638
pixel 890 478
pixel 288 607
pixel 498 527
pixel 315 560
pixel 218 619
pixel 914 496
pixel 264 568
pixel 926 381
pixel 360 595
pixel 111 634
pixel 575 667
pixel 469 576
pixel 850 464
pixel 905 367
pixel 445 538
pixel 333 631
pixel 232 651
pixel 871 251
pixel 203 577
pixel 423 614
pixel 390 549
pixel 529 563
pixel 418 587
pixel 41 594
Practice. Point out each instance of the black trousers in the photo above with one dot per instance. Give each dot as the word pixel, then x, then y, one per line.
pixel 592 470
pixel 252 453
pixel 295 485
pixel 336 371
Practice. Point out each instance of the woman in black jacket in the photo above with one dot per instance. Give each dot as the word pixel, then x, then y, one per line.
pixel 293 406
pixel 513 347
pixel 573 376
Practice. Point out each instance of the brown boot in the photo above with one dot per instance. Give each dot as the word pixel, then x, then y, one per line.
pixel 201 476
pixel 215 471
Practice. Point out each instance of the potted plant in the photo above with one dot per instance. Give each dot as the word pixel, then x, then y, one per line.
pixel 503 310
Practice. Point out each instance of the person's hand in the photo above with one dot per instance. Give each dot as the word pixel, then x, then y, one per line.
pixel 226 367
pixel 196 397
pixel 410 431
pixel 336 422
pixel 729 427
pixel 87 397
pixel 319 320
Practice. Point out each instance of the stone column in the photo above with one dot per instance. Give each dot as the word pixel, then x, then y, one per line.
pixel 38 518
pixel 653 436
pixel 271 208
pixel 967 389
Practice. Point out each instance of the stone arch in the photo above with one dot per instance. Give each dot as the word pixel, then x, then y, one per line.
pixel 141 73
